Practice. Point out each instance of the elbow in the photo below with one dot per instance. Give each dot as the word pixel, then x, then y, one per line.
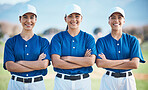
pixel 91 62
pixel 56 62
pixel 53 64
pixel 9 69
pixel 135 63
pixel 136 66
pixel 45 64
pixel 8 66
pixel 98 63
pixel 56 65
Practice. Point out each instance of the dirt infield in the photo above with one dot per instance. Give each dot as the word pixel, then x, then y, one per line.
pixel 141 76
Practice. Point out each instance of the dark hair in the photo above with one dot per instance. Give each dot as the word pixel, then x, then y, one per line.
pixel 66 27
pixel 21 16
pixel 113 13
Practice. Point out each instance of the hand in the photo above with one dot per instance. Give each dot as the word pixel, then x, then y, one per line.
pixel 42 56
pixel 102 56
pixel 88 53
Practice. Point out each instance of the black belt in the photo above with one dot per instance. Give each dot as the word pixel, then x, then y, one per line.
pixel 118 75
pixel 73 77
pixel 27 80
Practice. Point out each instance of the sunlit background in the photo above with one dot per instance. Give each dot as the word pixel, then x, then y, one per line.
pixel 95 13
pixel 50 21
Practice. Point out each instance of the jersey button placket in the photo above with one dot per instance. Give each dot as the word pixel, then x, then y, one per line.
pixel 26 45
pixel 118 47
pixel 26 50
pixel 73 46
pixel 27 54
pixel 73 42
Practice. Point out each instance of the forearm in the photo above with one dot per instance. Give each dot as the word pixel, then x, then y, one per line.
pixel 15 67
pixel 65 65
pixel 133 64
pixel 83 61
pixel 35 65
pixel 57 62
pixel 110 63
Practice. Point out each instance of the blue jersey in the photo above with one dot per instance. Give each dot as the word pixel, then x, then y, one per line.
pixel 16 49
pixel 126 47
pixel 64 44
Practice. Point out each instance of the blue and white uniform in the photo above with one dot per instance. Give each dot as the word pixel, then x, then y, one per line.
pixel 126 47
pixel 64 44
pixel 16 49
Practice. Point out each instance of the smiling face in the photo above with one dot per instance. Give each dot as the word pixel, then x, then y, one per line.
pixel 116 21
pixel 28 21
pixel 73 20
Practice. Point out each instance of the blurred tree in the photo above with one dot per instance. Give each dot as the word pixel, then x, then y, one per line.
pixel 1 34
pixel 145 28
pixel 49 33
pixel 135 31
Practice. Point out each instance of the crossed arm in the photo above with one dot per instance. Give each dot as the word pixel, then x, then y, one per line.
pixel 27 66
pixel 70 62
pixel 117 64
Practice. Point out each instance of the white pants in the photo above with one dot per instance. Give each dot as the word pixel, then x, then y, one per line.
pixel 111 83
pixel 62 84
pixel 16 85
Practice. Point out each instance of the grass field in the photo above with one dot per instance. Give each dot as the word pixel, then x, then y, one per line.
pixel 95 75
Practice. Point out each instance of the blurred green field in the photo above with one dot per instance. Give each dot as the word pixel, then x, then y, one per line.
pixel 95 75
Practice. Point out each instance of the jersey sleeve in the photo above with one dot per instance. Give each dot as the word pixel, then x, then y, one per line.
pixel 136 50
pixel 91 44
pixel 56 45
pixel 45 48
pixel 99 47
pixel 9 52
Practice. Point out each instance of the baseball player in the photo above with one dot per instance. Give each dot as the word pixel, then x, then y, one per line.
pixel 26 55
pixel 70 57
pixel 118 53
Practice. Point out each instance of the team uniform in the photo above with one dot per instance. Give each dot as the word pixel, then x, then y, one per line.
pixel 16 49
pixel 126 47
pixel 64 44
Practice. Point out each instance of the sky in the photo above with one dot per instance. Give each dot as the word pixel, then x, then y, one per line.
pixel 95 13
